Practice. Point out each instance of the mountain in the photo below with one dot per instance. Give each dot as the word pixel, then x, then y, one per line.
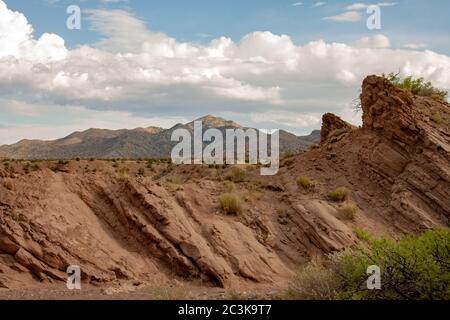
pixel 149 142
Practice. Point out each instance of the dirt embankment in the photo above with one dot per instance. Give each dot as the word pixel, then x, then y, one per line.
pixel 141 224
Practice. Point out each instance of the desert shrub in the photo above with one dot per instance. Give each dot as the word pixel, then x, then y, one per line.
pixel 141 172
pixel 314 282
pixel 91 159
pixel 237 175
pixel 304 182
pixel 35 167
pixel 412 268
pixel 348 212
pixel 230 186
pixel 230 203
pixel 8 184
pixel 417 86
pixel 77 159
pixel 123 171
pixel 339 194
pixel 313 147
pixel 436 118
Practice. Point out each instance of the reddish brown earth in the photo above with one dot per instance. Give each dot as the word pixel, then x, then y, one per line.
pixel 129 232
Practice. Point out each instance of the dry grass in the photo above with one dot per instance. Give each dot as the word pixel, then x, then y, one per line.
pixel 237 175
pixel 230 203
pixel 230 186
pixel 348 212
pixel 304 182
pixel 339 194
pixel 123 171
pixel 313 282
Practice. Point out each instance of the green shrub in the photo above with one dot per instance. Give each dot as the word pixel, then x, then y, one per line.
pixel 340 194
pixel 348 212
pixel 304 182
pixel 417 86
pixel 412 268
pixel 230 203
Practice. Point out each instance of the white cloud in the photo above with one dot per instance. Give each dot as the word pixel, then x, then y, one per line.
pixel 136 74
pixel 319 3
pixel 378 41
pixel 415 46
pixel 363 6
pixel 16 39
pixel 349 16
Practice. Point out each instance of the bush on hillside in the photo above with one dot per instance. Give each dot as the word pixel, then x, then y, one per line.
pixel 412 268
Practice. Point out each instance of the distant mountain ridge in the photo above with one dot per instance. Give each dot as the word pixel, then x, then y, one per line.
pixel 151 142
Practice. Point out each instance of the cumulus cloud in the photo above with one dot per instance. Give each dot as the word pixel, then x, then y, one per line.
pixel 377 41
pixel 16 39
pixel 135 73
pixel 415 46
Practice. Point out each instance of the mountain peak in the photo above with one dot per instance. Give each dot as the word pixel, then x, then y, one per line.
pixel 217 122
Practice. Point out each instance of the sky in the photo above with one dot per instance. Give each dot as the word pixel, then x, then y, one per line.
pixel 266 64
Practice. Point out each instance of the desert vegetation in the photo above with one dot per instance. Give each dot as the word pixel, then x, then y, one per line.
pixel 339 194
pixel 304 182
pixel 412 268
pixel 230 203
pixel 348 212
pixel 237 175
pixel 417 86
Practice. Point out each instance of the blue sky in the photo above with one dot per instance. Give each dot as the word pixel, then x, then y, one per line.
pixel 266 64
pixel 202 20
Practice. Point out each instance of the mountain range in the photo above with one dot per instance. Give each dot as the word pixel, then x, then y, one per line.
pixel 151 142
